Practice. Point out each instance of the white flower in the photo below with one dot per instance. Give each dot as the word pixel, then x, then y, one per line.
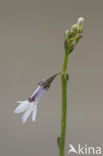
pixel 30 105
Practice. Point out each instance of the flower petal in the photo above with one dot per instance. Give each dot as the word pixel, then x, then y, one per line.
pixel 26 115
pixel 22 107
pixel 34 113
pixel 38 93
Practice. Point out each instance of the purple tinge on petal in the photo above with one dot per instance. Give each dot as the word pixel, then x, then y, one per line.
pixel 43 86
pixel 38 93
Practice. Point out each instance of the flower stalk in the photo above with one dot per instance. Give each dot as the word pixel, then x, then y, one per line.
pixel 71 40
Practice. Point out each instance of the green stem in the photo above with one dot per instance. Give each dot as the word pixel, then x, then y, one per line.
pixel 71 39
pixel 64 106
pixel 65 62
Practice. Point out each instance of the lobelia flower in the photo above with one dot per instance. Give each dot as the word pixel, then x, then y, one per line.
pixel 30 105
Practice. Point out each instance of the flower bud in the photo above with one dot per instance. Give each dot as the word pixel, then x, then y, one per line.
pixel 74 28
pixel 67 32
pixel 80 22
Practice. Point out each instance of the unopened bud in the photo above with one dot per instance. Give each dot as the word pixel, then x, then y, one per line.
pixel 74 28
pixel 80 36
pixel 80 22
pixel 67 32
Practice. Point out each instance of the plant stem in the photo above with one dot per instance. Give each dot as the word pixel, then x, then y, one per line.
pixel 65 63
pixel 64 106
pixel 71 39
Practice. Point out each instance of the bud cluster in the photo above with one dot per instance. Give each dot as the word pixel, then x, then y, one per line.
pixel 72 37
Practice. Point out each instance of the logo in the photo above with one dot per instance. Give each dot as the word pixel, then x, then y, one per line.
pixel 90 150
